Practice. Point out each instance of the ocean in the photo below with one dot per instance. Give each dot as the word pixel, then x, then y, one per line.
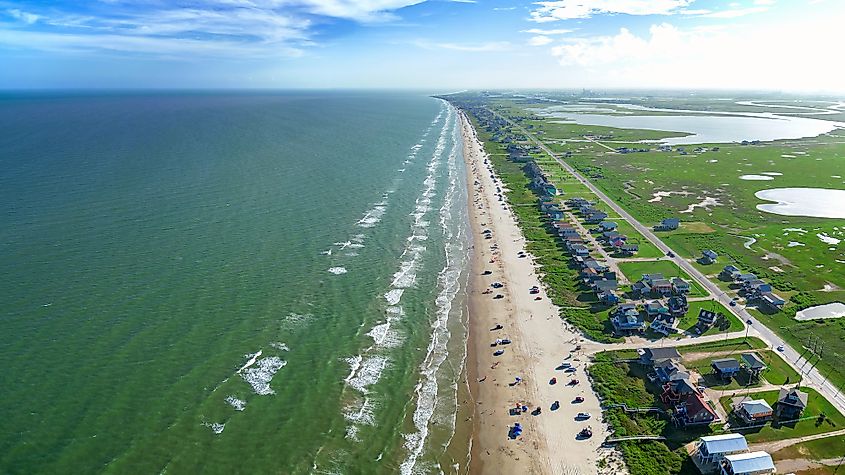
pixel 231 283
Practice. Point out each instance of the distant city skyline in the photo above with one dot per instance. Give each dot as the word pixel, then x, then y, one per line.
pixel 438 45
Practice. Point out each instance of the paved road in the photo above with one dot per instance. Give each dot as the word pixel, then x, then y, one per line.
pixel 811 377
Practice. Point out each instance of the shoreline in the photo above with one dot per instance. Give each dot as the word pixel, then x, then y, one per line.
pixel 540 342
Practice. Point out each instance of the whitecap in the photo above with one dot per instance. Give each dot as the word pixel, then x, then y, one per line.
pixel 337 270
pixel 393 296
pixel 238 404
pixel 215 427
pixel 259 377
pixel 279 346
pixel 368 373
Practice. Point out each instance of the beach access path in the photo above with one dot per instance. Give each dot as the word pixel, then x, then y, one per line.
pixel 810 375
pixel 540 343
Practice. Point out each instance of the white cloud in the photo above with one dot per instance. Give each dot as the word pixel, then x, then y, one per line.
pixel 539 40
pixel 747 56
pixel 764 2
pixel 572 9
pixel 735 13
pixel 540 31
pixel 236 28
pixel 359 10
pixel 26 17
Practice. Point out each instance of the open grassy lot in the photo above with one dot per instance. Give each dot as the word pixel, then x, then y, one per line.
pixel 733 345
pixel 819 417
pixel 634 270
pixel 819 449
pixel 778 371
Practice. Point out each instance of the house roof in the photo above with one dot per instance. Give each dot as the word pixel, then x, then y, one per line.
pixel 607 285
pixel 695 404
pixel 753 361
pixel 793 397
pixel 756 406
pixel 679 281
pixel 663 353
pixel 751 462
pixel 720 444
pixel 725 364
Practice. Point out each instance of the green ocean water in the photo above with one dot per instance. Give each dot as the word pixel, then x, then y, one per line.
pixel 230 283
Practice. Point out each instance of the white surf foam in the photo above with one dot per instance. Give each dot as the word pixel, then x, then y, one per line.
pixel 253 357
pixel 337 270
pixel 393 296
pixel 279 346
pixel 238 404
pixel 449 283
pixel 368 373
pixel 215 427
pixel 260 376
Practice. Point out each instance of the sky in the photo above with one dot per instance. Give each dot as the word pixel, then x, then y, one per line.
pixel 435 45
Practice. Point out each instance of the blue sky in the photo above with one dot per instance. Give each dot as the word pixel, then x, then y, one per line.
pixel 436 45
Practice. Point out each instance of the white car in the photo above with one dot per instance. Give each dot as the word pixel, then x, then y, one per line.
pixel 780 347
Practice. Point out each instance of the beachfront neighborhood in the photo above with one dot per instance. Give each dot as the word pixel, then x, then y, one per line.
pixel 683 390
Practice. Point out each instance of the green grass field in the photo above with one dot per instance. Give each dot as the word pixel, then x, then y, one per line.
pixel 733 345
pixel 819 449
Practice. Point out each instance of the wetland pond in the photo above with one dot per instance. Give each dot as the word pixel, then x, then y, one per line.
pixel 828 310
pixel 810 202
pixel 703 128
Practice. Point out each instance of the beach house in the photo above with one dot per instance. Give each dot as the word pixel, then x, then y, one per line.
pixel 668 224
pixel 752 364
pixel 629 249
pixel 627 319
pixel 754 463
pixel 666 370
pixel 706 319
pixel 755 411
pixel 791 403
pixel 772 301
pixel 712 449
pixel 678 388
pixel 725 368
pixel 678 305
pixel 651 356
pixel 730 272
pixel 680 286
pixel 708 257
pixel 694 411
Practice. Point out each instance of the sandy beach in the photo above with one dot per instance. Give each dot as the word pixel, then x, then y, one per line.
pixel 541 342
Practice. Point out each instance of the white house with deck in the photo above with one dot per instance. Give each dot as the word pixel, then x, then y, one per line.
pixel 754 463
pixel 712 449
